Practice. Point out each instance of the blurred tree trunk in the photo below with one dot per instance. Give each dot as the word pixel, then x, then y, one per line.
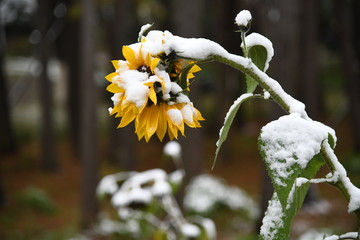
pixel 187 22
pixel 349 34
pixel 309 90
pixel 123 141
pixel 88 126
pixel 228 82
pixel 46 93
pixel 7 141
pixel 69 52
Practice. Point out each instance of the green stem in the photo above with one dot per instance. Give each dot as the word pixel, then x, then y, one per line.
pixel 244 44
pixel 340 184
pixel 249 71
pixel 286 102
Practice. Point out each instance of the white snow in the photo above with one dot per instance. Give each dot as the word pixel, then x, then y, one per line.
pixel 143 29
pixel 158 42
pixel 349 235
pixel 300 181
pixel 190 230
pixel 172 149
pixel 341 173
pixel 272 219
pixel 135 195
pixel 291 140
pixel 108 184
pixel 314 234
pixel 182 98
pixel 243 18
pixel 177 176
pixel 142 188
pixel 175 88
pixel 266 95
pixel 187 113
pixel 254 39
pixel 135 90
pixel 193 48
pixel 208 225
pixel 201 198
pixel 175 116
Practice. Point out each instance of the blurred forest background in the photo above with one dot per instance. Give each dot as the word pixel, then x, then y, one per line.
pixel 57 140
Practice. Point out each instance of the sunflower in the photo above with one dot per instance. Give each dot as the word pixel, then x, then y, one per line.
pixel 152 92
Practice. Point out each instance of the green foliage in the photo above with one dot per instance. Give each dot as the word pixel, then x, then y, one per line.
pixel 281 216
pixel 38 199
pixel 228 121
pixel 258 55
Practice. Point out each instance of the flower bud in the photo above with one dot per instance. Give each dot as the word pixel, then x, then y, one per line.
pixel 243 20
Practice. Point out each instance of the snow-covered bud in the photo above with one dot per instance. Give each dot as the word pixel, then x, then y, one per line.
pixel 243 20
pixel 172 149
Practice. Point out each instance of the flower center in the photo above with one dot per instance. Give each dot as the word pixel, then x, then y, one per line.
pixel 145 69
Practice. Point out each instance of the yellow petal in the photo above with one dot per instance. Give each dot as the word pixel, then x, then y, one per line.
pixel 127 118
pixel 198 115
pixel 162 123
pixel 114 88
pixel 148 60
pixel 116 64
pixel 153 64
pixel 152 95
pixel 195 69
pixel 172 131
pixel 130 55
pixel 140 123
pixel 190 75
pixel 140 58
pixel 110 76
pixel 152 121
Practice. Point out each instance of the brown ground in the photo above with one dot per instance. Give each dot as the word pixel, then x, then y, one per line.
pixel 19 220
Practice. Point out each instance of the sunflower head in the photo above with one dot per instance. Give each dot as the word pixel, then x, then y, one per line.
pixel 153 91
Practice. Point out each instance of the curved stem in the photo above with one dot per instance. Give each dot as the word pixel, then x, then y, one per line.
pixel 287 102
pixel 244 44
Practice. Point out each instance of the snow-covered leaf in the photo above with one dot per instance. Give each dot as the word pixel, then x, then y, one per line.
pixel 287 145
pixel 230 115
pixel 277 220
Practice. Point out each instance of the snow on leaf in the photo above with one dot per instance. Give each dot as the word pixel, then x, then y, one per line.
pixel 277 221
pixel 287 145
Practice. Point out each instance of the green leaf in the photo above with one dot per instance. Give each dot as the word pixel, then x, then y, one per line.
pixel 277 220
pixel 331 141
pixel 183 76
pixel 281 173
pixel 258 55
pixel 287 145
pixel 230 115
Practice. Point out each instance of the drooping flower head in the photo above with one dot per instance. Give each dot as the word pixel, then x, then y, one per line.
pixel 152 92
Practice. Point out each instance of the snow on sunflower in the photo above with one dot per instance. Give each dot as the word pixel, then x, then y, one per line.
pixel 148 91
